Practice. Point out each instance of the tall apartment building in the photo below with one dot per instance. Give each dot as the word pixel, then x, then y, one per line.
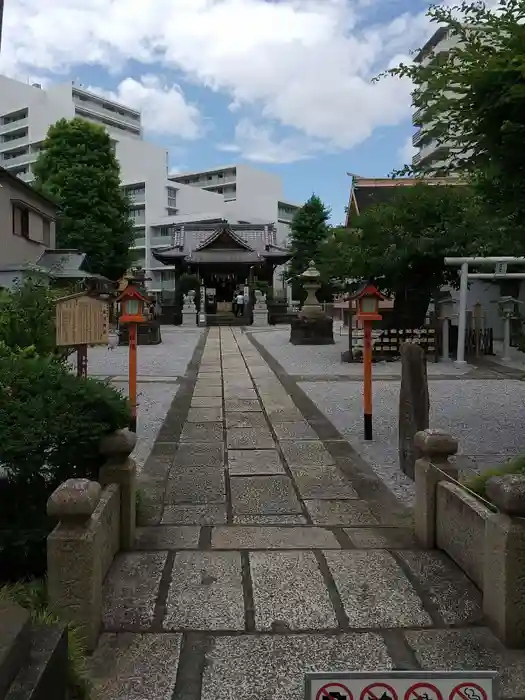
pixel 431 156
pixel 158 201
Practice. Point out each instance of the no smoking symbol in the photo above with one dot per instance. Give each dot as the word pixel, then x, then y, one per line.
pixel 423 691
pixel 378 691
pixel 468 691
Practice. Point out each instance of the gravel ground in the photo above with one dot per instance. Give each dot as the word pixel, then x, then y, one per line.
pixel 314 360
pixel 159 366
pixel 489 430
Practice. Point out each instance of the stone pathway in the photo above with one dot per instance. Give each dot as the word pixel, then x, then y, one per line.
pixel 269 549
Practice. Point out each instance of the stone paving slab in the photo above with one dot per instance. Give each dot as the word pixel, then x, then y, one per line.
pixel 196 485
pixel 205 592
pixel 473 648
pixel 250 419
pixel 252 462
pixel 203 415
pixel 273 667
pixel 322 483
pixel 269 537
pixel 210 514
pixel 340 513
pixel 289 592
pixel 266 495
pixel 129 666
pixel 275 519
pixel 374 590
pixel 167 537
pixel 198 455
pixel 295 430
pixel 249 438
pixel 455 597
pixel 242 405
pixel 382 538
pixel 131 589
pixel 202 432
pixel 206 401
pixel 301 453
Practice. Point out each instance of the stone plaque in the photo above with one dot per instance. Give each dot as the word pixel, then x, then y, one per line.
pixel 414 403
pixel 81 320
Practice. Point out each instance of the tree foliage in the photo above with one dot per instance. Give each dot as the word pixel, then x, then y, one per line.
pixel 27 317
pixel 78 169
pixel 473 98
pixel 401 244
pixel 309 231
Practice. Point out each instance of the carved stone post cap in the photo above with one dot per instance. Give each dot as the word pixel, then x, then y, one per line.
pixel 75 499
pixel 121 443
pixel 435 443
pixel 507 492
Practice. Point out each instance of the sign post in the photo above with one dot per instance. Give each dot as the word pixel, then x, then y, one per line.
pixel 81 320
pixel 133 305
pixel 368 298
pixel 402 685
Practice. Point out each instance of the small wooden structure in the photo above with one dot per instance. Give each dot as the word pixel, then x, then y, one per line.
pixel 81 319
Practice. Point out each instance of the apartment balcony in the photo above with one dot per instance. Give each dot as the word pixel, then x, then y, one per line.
pixel 417 137
pixel 139 243
pixel 417 116
pixel 22 159
pixel 416 159
pixel 216 182
pixel 137 199
pixel 14 126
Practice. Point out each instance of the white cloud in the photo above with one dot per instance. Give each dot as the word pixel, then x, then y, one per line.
pixel 163 107
pixel 406 151
pixel 261 145
pixel 305 64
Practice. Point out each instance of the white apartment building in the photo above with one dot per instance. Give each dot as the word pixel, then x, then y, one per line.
pixel 237 193
pixel 432 156
pixel 248 192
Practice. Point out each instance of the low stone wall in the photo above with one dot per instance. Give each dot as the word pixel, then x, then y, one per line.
pixel 96 520
pixel 460 529
pixel 487 540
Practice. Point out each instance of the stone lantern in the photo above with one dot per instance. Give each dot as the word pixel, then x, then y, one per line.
pixel 312 326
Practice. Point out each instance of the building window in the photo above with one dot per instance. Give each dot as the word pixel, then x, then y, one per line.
pixel 165 231
pixel 21 221
pixel 46 232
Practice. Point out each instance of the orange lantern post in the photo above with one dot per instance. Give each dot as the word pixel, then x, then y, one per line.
pixel 368 298
pixel 133 304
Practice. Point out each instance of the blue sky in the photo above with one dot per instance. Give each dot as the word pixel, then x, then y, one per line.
pixel 281 84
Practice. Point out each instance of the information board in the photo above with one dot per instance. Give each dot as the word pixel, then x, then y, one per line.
pixel 402 685
pixel 81 320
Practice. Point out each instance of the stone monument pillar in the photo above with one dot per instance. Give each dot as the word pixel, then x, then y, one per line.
pixel 260 309
pixel 189 310
pixel 312 325
pixel 202 310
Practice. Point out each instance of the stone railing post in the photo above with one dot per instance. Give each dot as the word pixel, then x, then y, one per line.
pixel 435 448
pixel 504 560
pixel 74 575
pixel 121 469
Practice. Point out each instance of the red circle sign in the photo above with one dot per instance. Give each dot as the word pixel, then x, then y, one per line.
pixel 377 691
pixel 337 691
pixel 423 691
pixel 468 691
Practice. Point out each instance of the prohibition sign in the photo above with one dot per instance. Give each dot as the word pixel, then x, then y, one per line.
pixel 379 691
pixel 468 691
pixel 426 691
pixel 334 690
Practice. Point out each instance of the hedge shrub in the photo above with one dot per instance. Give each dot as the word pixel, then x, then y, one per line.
pixel 51 423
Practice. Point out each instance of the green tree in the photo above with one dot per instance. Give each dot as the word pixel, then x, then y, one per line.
pixel 78 169
pixel 401 244
pixel 309 230
pixel 473 98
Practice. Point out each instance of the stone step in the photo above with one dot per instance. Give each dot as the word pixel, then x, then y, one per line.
pixel 225 319
pixel 44 671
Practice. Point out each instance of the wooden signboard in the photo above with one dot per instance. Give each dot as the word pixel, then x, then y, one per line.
pixel 81 320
